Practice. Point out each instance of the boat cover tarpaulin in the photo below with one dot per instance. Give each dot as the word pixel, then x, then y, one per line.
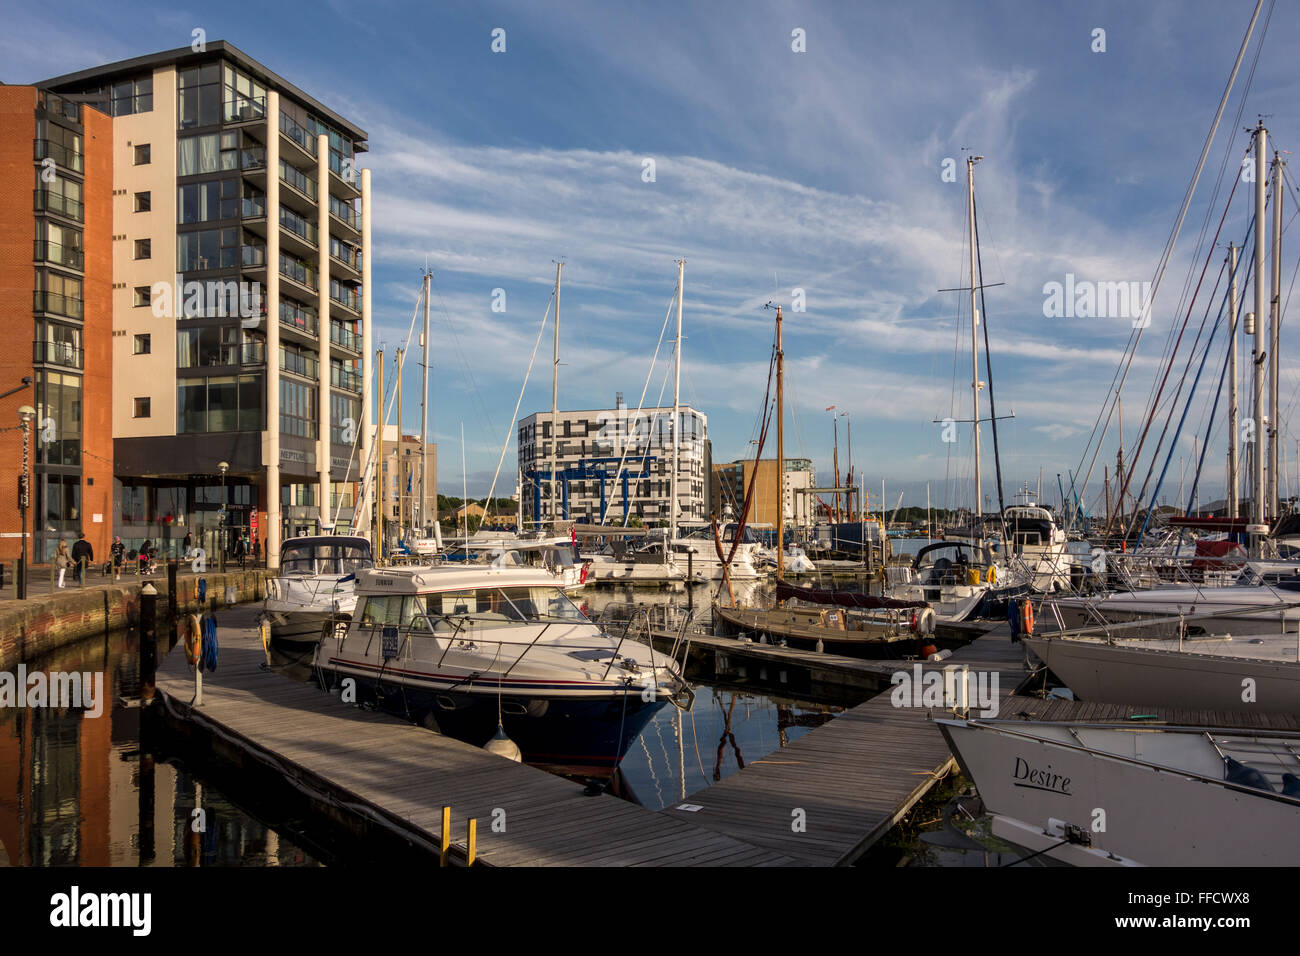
pixel 785 592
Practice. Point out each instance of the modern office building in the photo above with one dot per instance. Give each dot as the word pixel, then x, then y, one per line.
pixel 613 462
pixel 731 480
pixel 56 280
pixel 240 298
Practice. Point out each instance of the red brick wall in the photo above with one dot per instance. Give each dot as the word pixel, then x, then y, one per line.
pixel 17 232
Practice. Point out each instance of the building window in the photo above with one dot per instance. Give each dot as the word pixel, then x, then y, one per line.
pixel 198 101
pixel 141 296
pixel 207 153
pixel 143 248
pixel 142 154
pixel 221 403
pixel 142 201
pixel 142 347
pixel 58 411
pixel 142 408
pixel 298 409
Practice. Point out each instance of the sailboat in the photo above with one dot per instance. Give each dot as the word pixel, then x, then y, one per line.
pixel 826 619
pixel 966 575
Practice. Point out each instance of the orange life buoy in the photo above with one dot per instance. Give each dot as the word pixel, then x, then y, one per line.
pixel 193 641
pixel 1027 617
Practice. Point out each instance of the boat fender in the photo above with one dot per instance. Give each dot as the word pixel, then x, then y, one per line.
pixel 923 621
pixel 1027 617
pixel 193 639
pixel 942 655
pixel 1290 785
pixel 1239 773
pixel 992 575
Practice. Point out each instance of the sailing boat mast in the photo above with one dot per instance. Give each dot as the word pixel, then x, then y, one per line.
pixel 1261 299
pixel 1274 338
pixel 677 385
pixel 974 329
pixel 424 404
pixel 780 450
pixel 1234 506
pixel 555 399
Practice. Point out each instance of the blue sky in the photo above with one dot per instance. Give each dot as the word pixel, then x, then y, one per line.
pixel 774 170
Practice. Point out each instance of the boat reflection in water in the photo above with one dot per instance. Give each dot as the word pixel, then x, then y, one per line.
pixel 465 650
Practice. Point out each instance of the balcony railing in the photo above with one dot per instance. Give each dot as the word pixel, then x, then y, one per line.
pixel 297 225
pixel 348 255
pixel 46 251
pixel 57 304
pixel 253 157
pixel 298 271
pixel 345 213
pixel 60 205
pixel 300 364
pixel 298 317
pixel 298 180
pixel 341 335
pixel 290 127
pixel 253 257
pixel 244 109
pixel 57 353
pixel 252 207
pixel 345 296
pixel 345 378
pixel 336 167
pixel 65 157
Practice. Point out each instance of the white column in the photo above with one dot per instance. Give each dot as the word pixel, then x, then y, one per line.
pixel 271 444
pixel 362 523
pixel 324 455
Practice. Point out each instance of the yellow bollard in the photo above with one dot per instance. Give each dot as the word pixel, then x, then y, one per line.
pixel 446 835
pixel 472 842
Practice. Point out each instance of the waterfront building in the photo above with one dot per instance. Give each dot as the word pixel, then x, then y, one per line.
pixel 731 479
pixel 240 298
pixel 612 462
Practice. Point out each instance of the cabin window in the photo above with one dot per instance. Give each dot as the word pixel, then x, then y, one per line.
pixel 393 610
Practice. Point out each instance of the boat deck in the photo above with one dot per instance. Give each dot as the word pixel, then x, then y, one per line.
pixel 389 769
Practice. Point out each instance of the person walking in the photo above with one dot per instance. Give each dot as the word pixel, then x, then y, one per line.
pixel 142 559
pixel 241 550
pixel 118 552
pixel 62 560
pixel 82 555
pixel 189 542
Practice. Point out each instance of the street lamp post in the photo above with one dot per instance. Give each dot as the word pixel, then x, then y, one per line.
pixel 223 467
pixel 25 416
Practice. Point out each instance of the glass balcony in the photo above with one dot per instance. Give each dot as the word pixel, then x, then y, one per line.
pixel 57 304
pixel 289 126
pixel 298 271
pixel 345 378
pixel 59 254
pixel 60 205
pixel 297 180
pixel 252 207
pixel 297 225
pixel 253 257
pixel 300 364
pixel 253 157
pixel 244 109
pixel 350 256
pixel 346 213
pixel 348 297
pixel 61 154
pixel 342 335
pixel 57 353
pixel 297 316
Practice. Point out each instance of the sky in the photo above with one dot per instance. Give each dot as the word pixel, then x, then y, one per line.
pixel 798 153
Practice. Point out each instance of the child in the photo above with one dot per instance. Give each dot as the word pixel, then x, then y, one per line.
pixel 62 559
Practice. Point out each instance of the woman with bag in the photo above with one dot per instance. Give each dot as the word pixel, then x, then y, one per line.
pixel 62 560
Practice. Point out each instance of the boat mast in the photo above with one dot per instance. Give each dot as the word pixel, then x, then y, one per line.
pixel 1274 338
pixel 676 425
pixel 379 460
pixel 835 428
pixel 780 450
pixel 555 399
pixel 1234 506
pixel 401 512
pixel 1261 294
pixel 424 402
pixel 974 329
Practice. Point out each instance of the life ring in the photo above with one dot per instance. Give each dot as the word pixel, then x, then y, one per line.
pixel 1027 617
pixel 193 641
pixel 923 621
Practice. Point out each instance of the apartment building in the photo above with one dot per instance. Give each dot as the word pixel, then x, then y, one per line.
pixel 613 462
pixel 56 239
pixel 240 298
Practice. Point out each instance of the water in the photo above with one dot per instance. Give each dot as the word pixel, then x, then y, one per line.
pixel 74 790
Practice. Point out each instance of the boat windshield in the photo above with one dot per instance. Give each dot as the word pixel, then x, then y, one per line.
pixel 324 558
pixel 483 607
